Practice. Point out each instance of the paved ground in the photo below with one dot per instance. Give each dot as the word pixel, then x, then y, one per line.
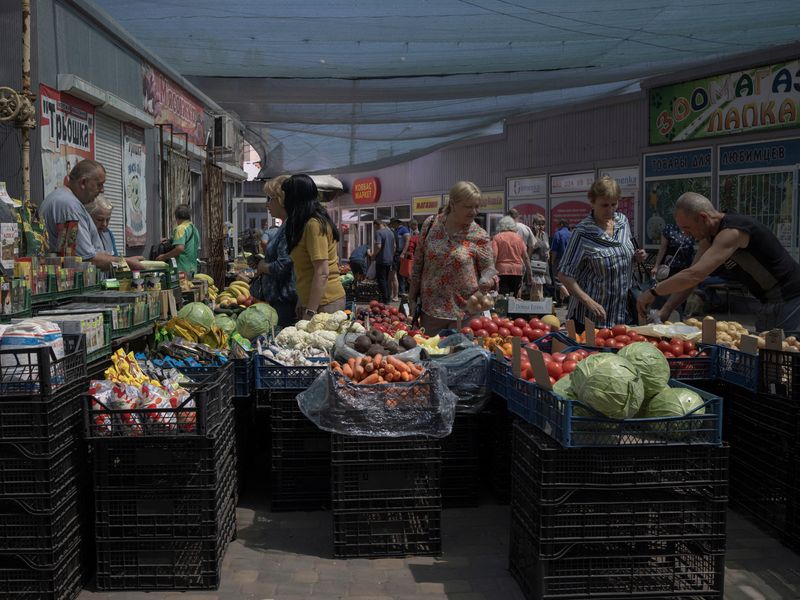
pixel 287 556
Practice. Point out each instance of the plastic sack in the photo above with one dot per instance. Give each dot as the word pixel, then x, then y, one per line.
pixel 468 376
pixel 422 407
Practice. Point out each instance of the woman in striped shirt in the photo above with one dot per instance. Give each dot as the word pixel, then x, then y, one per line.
pixel 597 267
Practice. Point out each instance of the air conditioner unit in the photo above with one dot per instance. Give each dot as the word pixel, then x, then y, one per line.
pixel 224 132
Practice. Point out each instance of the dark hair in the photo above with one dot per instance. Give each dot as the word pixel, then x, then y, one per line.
pixel 513 212
pixel 563 223
pixel 302 204
pixel 183 212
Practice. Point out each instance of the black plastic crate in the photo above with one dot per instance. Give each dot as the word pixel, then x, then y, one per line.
pixel 22 473
pixel 25 531
pixel 243 376
pixel 25 577
pixel 301 446
pixel 780 373
pixel 460 462
pixel 770 412
pixel 460 485
pixel 385 487
pixel 285 414
pixel 497 451
pixel 305 488
pixel 560 471
pixel 373 534
pixel 272 375
pixel 162 462
pixel 356 449
pixel 37 374
pixel 630 570
pixel 23 419
pixel 216 379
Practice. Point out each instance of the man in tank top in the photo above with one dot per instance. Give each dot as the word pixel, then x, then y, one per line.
pixel 748 251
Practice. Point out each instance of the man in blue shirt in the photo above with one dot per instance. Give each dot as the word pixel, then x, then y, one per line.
pixel 358 261
pixel 384 256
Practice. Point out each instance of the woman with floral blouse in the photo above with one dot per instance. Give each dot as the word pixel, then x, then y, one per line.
pixel 452 254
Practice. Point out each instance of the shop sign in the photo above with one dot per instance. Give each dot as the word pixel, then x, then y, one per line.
pixel 761 155
pixel 67 128
pixel 526 187
pixel 757 99
pixel 528 208
pixel 571 183
pixel 669 164
pixel 366 190
pixel 134 159
pixel 492 202
pixel 425 205
pixel 627 177
pixel 168 103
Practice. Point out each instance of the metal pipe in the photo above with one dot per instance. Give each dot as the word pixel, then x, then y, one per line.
pixel 26 91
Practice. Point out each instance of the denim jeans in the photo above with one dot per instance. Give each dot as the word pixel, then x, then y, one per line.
pixel 382 277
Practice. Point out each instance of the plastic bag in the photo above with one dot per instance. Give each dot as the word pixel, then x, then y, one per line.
pixel 422 407
pixel 467 375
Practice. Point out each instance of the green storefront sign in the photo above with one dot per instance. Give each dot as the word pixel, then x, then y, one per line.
pixel 762 98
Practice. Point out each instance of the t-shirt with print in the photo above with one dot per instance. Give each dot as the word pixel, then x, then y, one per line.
pixel 186 235
pixel 70 229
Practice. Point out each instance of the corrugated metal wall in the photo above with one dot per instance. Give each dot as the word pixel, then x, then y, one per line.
pixel 108 151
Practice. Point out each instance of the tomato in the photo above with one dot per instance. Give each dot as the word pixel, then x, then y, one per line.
pixel 688 346
pixel 584 353
pixel 525 340
pixel 503 331
pixel 481 333
pixel 603 334
pixel 537 333
pixel 616 345
pixel 600 343
pixel 546 357
pixel 475 324
pixel 684 356
pixel 515 331
pixel 505 322
pixel 554 369
pixel 526 372
pixel 676 349
pixel 491 327
pixel 467 330
pixel 664 346
pixel 536 323
pixel 573 356
pixel 623 339
pixel 635 337
pixel 552 381
pixel 559 356
pixel 485 320
pixel 374 303
pixel 568 366
pixel 520 322
pixel 619 330
pixel 669 355
pixel 692 353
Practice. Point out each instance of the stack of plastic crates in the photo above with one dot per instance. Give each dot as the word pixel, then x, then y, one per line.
pixel 617 522
pixel 460 469
pixel 43 507
pixel 301 457
pixel 495 455
pixel 386 496
pixel 764 435
pixel 165 492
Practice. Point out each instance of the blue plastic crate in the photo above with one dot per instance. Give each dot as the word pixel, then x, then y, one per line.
pixel 500 377
pixel 272 375
pixel 736 367
pixel 573 424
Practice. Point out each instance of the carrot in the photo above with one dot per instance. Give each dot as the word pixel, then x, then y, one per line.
pixel 347 371
pixel 337 367
pixel 358 372
pixel 398 364
pixel 405 376
pixel 378 359
pixel 389 377
pixel 416 370
pixel 368 367
pixel 370 379
pixel 352 363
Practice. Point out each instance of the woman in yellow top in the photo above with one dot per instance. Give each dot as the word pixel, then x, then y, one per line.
pixel 311 238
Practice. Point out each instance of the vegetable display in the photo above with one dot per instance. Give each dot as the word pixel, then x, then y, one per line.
pixel 258 319
pixel 651 364
pixel 610 384
pixel 369 370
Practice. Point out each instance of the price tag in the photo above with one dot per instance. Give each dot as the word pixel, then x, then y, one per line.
pixel 406 310
pixel 174 263
pixel 487 314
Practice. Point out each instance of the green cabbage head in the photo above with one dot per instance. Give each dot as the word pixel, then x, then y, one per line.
pixel 609 384
pixel 198 314
pixel 673 402
pixel 225 323
pixel 651 363
pixel 256 320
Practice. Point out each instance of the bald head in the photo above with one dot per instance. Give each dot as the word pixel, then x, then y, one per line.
pixel 696 216
pixel 693 204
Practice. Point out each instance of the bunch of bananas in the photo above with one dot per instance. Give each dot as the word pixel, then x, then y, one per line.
pixel 182 328
pixel 213 290
pixel 124 369
pixel 236 294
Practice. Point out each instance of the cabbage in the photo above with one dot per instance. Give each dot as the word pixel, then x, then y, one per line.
pixel 225 323
pixel 563 387
pixel 651 363
pixel 197 313
pixel 673 402
pixel 256 320
pixel 609 384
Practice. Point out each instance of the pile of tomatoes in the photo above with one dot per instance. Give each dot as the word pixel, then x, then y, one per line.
pixel 504 327
pixel 620 336
pixel 558 364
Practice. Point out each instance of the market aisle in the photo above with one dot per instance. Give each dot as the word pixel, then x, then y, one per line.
pixel 284 556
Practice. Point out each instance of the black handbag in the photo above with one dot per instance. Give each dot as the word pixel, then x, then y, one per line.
pixel 641 282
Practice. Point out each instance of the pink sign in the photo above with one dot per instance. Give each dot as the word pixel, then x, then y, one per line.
pixel 572 209
pixel 167 102
pixel 627 206
pixel 528 208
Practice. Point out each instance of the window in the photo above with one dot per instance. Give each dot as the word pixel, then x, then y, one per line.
pixel 384 213
pixel 402 212
pixel 366 215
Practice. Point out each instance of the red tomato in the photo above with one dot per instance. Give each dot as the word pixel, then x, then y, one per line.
pixel 503 332
pixel 600 343
pixel 485 320
pixel 635 337
pixel 475 324
pixel 467 330
pixel 619 330
pixel 520 322
pixel 552 381
pixel 664 346
pixel 536 323
pixel 692 353
pixel 481 333
pixel 676 349
pixel 669 355
pixel 603 334
pixel 526 372
pixel 616 345
pixel 559 356
pixel 515 331
pixel 528 332
pixel 537 333
pixel 574 356
pixel 525 340
pixel 623 339
pixel 554 369
pixel 505 322
pixel 568 366
pixel 491 327
pixel 584 353
pixel 546 357
pixel 688 346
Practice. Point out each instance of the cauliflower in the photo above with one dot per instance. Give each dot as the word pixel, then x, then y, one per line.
pixel 291 337
pixel 323 339
pixel 351 327
pixel 318 321
pixel 302 325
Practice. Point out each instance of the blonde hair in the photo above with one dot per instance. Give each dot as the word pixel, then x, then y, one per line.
pixel 605 187
pixel 98 204
pixel 273 187
pixel 460 192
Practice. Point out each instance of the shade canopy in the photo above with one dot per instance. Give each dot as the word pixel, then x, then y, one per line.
pixel 339 84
